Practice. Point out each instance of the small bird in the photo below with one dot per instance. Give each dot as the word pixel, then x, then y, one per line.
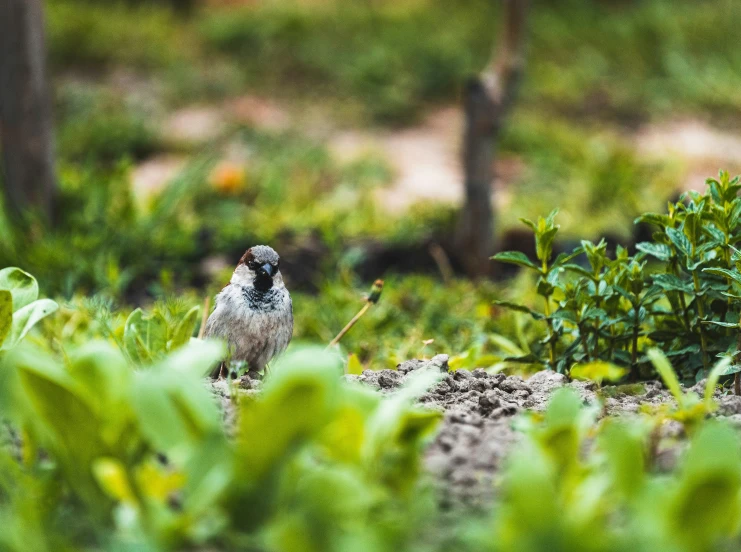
pixel 253 313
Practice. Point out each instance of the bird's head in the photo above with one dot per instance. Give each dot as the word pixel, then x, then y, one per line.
pixel 259 267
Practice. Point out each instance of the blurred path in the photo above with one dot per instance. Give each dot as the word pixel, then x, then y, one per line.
pixel 425 157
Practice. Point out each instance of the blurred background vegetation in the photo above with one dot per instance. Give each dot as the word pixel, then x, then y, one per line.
pixel 187 131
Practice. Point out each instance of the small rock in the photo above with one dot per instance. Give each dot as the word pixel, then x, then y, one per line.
pixel 441 362
pixel 462 374
pixel 489 400
pixel 729 405
pixel 479 385
pixel 463 386
pixel 467 418
pixel 388 379
pixel 479 373
pixel 496 379
pixel 514 383
pixel 651 393
pixel 508 409
pixel 521 395
pixel 410 365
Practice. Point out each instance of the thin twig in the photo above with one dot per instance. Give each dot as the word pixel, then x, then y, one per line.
pixel 350 324
pixel 372 299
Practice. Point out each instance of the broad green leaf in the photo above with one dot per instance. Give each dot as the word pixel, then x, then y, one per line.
pixel 297 402
pixel 706 504
pixel 598 371
pixel 657 250
pixel 732 274
pixel 354 366
pixel 670 282
pixel 184 330
pixel 516 258
pixel 6 314
pixel 660 220
pixel 680 241
pixel 194 360
pixel 21 285
pixel 623 446
pixel 25 318
pixel 731 369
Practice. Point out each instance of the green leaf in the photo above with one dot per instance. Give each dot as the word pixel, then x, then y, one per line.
pixel 145 337
pixel 662 221
pixel 21 285
pixel 354 365
pixel 657 250
pixel 598 371
pixel 705 505
pixel 194 360
pixel 529 358
pixel 670 282
pixel 721 324
pixel 25 318
pixel 680 241
pixel 520 308
pixel 6 314
pixel 623 446
pixel 566 257
pixel 516 258
pixel 734 275
pixel 185 328
pixel 506 345
pixel 580 270
pixel 718 370
pixel 665 370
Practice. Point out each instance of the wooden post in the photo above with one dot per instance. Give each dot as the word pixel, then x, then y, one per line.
pixel 26 128
pixel 487 99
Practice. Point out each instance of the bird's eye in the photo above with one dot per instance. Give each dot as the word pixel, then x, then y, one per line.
pixel 276 265
pixel 252 265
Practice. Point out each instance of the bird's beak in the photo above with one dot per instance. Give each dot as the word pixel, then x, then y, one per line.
pixel 268 269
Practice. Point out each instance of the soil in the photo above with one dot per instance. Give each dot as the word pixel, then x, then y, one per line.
pixel 479 408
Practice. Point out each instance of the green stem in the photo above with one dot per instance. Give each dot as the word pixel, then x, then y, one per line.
pixel 701 314
pixel 551 340
pixel 634 352
pixel 584 342
pixel 685 314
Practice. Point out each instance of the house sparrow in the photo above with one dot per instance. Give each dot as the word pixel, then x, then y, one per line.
pixel 253 313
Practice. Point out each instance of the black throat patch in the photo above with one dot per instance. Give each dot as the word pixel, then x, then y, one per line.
pixel 265 301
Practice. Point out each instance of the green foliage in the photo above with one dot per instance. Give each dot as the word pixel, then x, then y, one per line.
pixel 93 33
pixel 339 466
pixel 20 308
pixel 605 492
pixel 679 290
pixel 377 64
pixel 691 409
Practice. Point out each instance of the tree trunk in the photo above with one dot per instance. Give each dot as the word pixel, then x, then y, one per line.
pixel 26 134
pixel 487 99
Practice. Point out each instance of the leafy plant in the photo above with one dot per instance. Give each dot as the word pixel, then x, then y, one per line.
pixel 20 307
pixel 678 290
